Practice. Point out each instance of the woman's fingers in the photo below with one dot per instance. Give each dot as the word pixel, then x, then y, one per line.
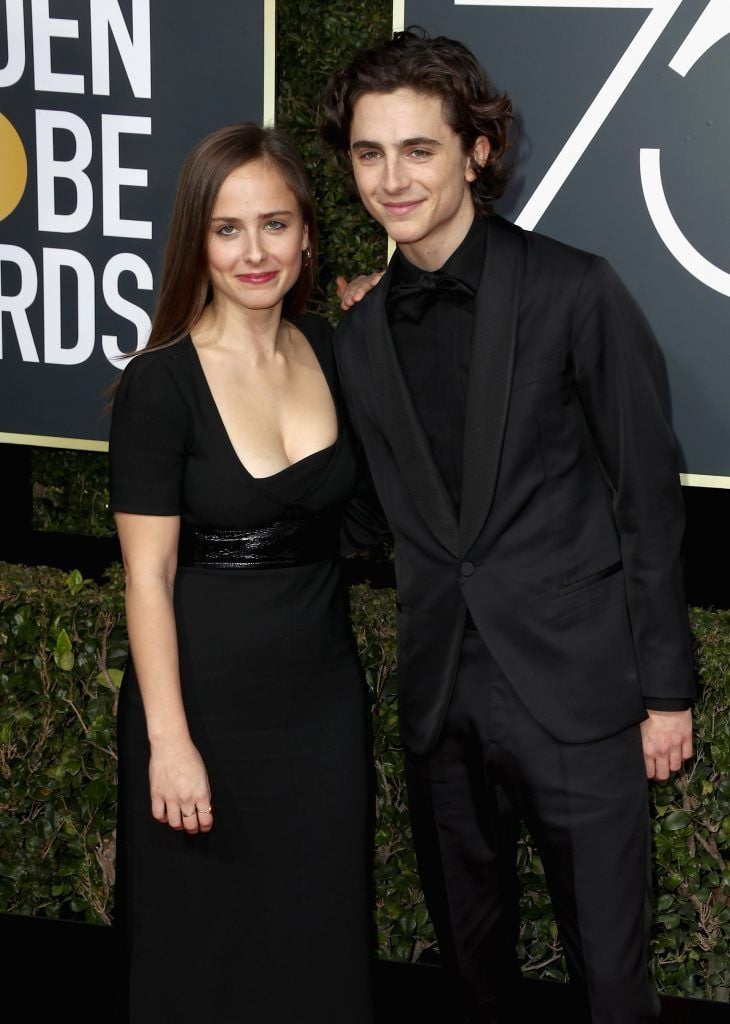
pixel 180 789
pixel 198 819
pixel 205 818
pixel 189 820
pixel 159 810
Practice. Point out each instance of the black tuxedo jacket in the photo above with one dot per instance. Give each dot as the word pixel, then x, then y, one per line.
pixel 567 549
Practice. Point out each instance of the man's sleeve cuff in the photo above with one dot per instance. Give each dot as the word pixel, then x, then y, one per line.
pixel 668 703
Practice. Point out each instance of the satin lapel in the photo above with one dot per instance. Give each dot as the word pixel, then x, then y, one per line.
pixel 490 374
pixel 405 433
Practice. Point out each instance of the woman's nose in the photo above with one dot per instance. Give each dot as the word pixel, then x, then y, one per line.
pixel 253 251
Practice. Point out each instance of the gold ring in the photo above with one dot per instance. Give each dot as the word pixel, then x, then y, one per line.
pixel 189 814
pixel 205 810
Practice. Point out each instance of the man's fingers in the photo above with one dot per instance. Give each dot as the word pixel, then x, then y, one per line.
pixel 341 286
pixel 662 767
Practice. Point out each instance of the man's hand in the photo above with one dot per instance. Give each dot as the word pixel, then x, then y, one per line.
pixel 667 740
pixel 351 292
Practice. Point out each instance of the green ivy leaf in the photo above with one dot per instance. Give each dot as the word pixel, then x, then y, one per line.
pixel 110 677
pixel 63 653
pixel 675 821
pixel 74 582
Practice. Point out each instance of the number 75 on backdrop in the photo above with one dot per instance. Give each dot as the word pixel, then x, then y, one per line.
pixel 624 108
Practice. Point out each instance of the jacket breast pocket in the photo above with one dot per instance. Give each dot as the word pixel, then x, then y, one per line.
pixel 528 371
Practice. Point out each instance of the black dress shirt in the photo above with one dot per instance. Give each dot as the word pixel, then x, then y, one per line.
pixel 434 349
pixel 433 344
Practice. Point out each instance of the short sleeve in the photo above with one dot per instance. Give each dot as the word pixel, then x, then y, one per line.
pixel 150 435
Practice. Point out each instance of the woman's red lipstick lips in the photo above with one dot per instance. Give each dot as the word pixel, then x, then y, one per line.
pixel 262 278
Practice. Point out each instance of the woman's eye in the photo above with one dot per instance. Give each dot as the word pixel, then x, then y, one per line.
pixel 226 229
pixel 274 225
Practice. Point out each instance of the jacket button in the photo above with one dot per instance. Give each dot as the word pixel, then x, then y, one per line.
pixel 467 568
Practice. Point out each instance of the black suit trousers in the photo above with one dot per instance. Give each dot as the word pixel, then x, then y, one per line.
pixel 586 807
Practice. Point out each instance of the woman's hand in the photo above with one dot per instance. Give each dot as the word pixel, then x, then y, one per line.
pixel 179 787
pixel 351 292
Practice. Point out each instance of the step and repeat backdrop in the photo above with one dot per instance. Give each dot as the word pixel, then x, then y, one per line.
pixel 624 150
pixel 624 107
pixel 100 100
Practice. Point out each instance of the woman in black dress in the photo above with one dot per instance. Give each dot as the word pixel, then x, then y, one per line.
pixel 244 822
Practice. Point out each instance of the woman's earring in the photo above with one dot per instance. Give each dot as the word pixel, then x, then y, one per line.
pixel 307 255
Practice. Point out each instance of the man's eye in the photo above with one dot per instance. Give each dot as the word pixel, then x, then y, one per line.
pixel 369 155
pixel 420 153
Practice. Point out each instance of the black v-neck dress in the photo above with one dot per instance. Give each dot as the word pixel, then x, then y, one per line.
pixel 266 919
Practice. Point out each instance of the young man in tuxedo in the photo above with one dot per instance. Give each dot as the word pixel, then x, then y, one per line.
pixel 508 394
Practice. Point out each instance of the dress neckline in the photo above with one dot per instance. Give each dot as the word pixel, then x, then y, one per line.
pixel 292 465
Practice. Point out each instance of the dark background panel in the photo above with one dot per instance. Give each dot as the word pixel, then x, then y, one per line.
pixel 553 61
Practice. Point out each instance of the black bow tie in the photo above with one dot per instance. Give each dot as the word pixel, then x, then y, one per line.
pixel 412 299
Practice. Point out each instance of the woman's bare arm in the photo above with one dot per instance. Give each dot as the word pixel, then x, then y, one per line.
pixel 178 779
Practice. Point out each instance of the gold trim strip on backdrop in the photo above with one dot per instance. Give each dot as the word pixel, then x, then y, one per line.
pixel 47 441
pixel 700 480
pixel 269 113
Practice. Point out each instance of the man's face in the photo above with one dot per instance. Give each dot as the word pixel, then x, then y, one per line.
pixel 412 173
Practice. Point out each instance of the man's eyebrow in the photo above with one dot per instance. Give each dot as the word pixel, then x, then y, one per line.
pixel 421 140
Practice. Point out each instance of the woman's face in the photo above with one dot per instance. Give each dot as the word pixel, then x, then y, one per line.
pixel 255 238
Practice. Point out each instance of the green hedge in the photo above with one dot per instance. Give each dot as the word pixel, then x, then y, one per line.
pixel 62 650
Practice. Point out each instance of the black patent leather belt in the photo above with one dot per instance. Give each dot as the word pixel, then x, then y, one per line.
pixel 281 544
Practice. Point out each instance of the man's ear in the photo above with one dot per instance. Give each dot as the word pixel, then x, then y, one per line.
pixel 478 157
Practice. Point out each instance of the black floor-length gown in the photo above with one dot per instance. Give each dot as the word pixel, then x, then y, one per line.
pixel 266 919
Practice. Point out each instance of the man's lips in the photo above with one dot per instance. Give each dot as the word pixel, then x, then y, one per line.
pixel 403 207
pixel 262 278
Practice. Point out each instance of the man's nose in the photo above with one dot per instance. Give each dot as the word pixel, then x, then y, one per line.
pixel 395 174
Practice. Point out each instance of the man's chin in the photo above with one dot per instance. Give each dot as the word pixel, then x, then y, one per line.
pixel 403 233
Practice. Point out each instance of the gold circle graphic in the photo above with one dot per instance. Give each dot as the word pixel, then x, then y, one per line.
pixel 13 168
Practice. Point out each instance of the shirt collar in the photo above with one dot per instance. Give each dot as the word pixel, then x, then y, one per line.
pixel 465 262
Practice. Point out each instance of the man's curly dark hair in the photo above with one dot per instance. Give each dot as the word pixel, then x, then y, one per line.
pixel 435 67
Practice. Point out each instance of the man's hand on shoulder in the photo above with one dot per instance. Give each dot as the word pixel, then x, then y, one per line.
pixel 666 737
pixel 351 292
